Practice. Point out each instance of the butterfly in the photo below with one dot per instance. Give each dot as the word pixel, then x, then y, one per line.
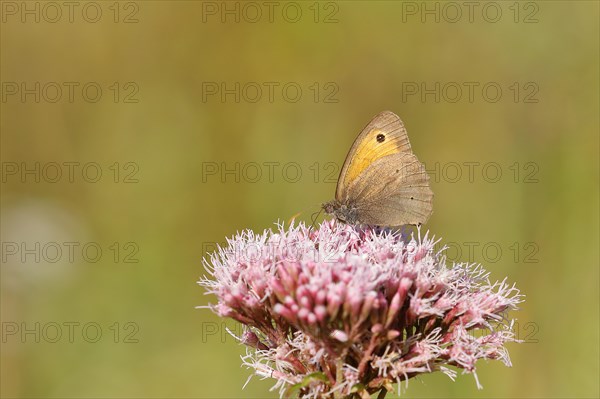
pixel 382 182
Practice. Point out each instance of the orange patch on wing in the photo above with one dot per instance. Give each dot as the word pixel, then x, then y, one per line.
pixel 370 150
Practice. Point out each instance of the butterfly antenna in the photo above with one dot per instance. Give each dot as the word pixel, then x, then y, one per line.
pixel 314 218
pixel 291 220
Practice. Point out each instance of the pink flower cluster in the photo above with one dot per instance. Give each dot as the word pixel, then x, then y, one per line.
pixel 343 311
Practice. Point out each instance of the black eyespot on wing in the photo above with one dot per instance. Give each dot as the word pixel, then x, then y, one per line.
pixel 380 138
pixel 412 197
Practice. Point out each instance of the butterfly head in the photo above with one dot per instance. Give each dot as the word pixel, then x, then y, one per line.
pixel 342 212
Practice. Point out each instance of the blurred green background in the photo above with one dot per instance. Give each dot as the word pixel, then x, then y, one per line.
pixel 159 131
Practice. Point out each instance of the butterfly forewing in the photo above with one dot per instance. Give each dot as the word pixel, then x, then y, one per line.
pixel 384 135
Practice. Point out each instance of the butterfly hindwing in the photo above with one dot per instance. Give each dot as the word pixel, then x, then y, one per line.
pixel 392 191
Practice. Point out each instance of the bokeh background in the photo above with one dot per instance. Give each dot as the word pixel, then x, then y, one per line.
pixel 163 132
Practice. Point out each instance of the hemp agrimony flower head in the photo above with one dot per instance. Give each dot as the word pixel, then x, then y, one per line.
pixel 344 311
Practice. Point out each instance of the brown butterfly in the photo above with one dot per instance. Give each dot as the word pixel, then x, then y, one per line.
pixel 382 182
